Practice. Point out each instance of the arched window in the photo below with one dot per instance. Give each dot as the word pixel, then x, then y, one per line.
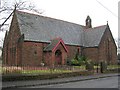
pixel 78 50
pixel 58 53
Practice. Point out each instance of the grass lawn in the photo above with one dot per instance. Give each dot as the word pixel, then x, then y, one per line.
pixel 95 67
pixel 81 68
pixel 109 66
pixel 19 70
pixel 113 66
pixel 14 70
pixel 44 71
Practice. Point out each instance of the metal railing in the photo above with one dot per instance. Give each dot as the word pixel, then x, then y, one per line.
pixel 27 69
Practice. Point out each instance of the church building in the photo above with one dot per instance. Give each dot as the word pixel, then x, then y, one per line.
pixel 34 39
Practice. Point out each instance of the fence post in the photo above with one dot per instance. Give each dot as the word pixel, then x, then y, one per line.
pixel 101 67
pixel 97 67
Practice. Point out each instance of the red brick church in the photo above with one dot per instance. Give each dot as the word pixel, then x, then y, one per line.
pixel 34 39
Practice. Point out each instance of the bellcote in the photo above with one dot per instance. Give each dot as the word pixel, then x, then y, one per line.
pixel 88 22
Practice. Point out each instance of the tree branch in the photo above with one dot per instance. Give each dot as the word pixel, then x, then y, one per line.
pixel 6 20
pixel 20 5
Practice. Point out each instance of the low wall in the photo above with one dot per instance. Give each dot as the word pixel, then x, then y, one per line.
pixel 41 77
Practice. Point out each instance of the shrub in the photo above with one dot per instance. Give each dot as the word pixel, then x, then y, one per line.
pixel 78 61
pixel 74 62
pixel 103 66
pixel 82 60
pixel 89 65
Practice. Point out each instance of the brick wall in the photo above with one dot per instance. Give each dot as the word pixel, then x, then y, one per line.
pixel 106 51
pixel 32 53
pixel 91 53
pixel 10 49
pixel 72 50
pixel 47 58
pixel 107 48
pixel 17 52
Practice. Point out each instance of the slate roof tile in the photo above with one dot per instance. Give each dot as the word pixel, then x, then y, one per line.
pixel 93 36
pixel 51 45
pixel 43 29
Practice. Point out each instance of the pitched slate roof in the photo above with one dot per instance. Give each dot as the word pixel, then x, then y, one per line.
pixel 92 36
pixel 54 43
pixel 51 45
pixel 44 29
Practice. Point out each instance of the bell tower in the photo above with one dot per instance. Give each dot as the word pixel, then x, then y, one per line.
pixel 88 22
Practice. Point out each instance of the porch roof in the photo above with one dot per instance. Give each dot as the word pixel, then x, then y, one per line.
pixel 54 44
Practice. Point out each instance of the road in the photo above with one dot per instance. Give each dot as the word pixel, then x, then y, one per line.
pixel 109 82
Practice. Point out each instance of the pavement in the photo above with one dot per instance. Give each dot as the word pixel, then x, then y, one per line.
pixel 18 84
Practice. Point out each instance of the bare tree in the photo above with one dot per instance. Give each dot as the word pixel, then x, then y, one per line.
pixel 7 10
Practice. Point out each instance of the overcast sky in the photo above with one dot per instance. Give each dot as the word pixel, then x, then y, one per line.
pixel 76 11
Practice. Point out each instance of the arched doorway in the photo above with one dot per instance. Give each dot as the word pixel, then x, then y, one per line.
pixel 58 57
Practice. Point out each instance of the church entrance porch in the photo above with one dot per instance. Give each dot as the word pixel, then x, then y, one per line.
pixel 58 57
pixel 58 52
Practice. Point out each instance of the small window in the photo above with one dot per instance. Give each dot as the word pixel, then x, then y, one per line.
pixel 78 50
pixel 58 53
pixel 35 52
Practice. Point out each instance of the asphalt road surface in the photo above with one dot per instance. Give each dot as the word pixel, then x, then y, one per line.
pixel 109 82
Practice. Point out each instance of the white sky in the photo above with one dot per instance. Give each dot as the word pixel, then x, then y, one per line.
pixel 76 11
